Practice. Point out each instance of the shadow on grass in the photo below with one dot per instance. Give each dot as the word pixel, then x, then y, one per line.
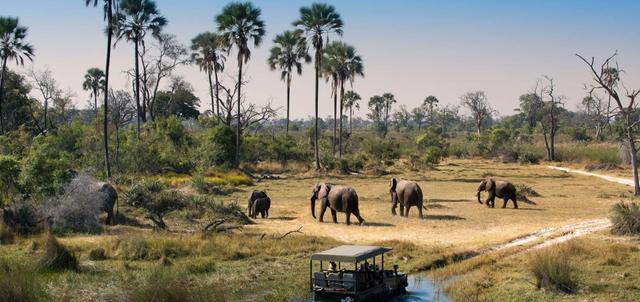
pixel 436 206
pixel 285 218
pixel 379 224
pixel 443 217
pixel 529 209
pixel 449 200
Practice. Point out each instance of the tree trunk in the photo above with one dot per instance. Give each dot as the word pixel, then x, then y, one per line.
pixel 213 103
pixel 478 126
pixel 106 91
pixel 315 134
pixel 341 102
pixel 215 73
pixel 634 162
pixel 95 99
pixel 4 75
pixel 335 117
pixel 137 76
pixel 288 98
pixel 350 119
pixel 46 107
pixel 238 122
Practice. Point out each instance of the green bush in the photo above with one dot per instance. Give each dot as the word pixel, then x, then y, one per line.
pixel 218 147
pixel 553 270
pixel 383 150
pixel 9 177
pixel 46 168
pixel 603 154
pixel 156 199
pixel 432 156
pixel 626 218
pixel 97 254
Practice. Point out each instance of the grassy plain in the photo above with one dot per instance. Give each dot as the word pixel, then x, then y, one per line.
pixel 252 264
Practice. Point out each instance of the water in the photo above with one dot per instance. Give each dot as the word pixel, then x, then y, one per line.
pixel 423 289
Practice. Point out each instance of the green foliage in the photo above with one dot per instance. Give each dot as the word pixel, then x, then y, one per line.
pixel 6 234
pixel 156 199
pixel 552 269
pixel 97 254
pixel 579 134
pixel 46 167
pixel 432 156
pixel 21 217
pixel 603 154
pixel 9 177
pixel 204 186
pixel 383 150
pixel 218 147
pixel 56 256
pixel 626 218
pixel 166 284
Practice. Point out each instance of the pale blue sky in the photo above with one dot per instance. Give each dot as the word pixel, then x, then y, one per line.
pixel 410 48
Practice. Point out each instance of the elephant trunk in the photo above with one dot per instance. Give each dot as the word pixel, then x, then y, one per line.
pixel 479 197
pixel 313 207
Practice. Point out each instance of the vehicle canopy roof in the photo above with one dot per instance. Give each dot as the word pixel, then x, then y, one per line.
pixel 350 253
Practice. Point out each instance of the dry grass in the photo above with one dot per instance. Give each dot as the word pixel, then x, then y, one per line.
pixel 56 256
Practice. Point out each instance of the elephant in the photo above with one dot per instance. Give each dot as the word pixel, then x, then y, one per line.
pixel 261 205
pixel 254 196
pixel 109 199
pixel 407 194
pixel 500 189
pixel 338 199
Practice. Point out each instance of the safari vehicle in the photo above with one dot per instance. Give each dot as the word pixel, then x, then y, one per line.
pixel 354 273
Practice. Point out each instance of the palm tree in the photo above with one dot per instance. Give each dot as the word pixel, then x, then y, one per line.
pixel 133 20
pixel 351 99
pixel 319 21
pixel 12 46
pixel 94 82
pixel 108 16
pixel 389 99
pixel 346 64
pixel 207 50
pixel 431 102
pixel 290 50
pixel 240 22
pixel 331 74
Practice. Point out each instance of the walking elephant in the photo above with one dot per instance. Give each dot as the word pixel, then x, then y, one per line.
pixel 255 196
pixel 407 194
pixel 500 189
pixel 261 206
pixel 337 199
pixel 109 197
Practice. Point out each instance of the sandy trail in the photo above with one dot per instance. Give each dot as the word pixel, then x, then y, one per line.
pixel 620 180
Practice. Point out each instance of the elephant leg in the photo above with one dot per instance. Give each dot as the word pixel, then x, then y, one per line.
pixel 110 220
pixel 334 216
pixel 267 212
pixel 401 209
pixel 348 217
pixel 262 214
pixel 393 208
pixel 491 200
pixel 504 204
pixel 420 211
pixel 515 203
pixel 357 214
pixel 408 207
pixel 323 209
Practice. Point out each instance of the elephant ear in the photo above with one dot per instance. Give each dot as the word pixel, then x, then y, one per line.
pixel 327 188
pixel 490 185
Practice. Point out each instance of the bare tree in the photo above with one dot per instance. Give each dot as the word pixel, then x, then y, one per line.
pixel 597 112
pixel 477 103
pixel 48 88
pixel 63 102
pixel 549 121
pixel 121 113
pixel 607 78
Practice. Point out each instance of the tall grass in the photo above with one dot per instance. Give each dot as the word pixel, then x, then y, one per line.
pixel 56 256
pixel 19 283
pixel 603 155
pixel 553 269
pixel 6 234
pixel 167 285
pixel 626 218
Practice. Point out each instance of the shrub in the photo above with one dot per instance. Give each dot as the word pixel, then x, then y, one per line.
pixel 626 218
pixel 21 217
pixel 45 168
pixel 9 177
pixel 383 150
pixel 78 208
pixel 204 186
pixel 165 284
pixel 553 270
pixel 97 254
pixel 6 234
pixel 152 196
pixel 56 256
pixel 218 147
pixel 19 283
pixel 432 156
pixel 528 157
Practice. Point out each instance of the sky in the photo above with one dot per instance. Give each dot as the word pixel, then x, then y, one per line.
pixel 411 48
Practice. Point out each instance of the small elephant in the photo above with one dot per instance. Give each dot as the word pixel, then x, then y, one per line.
pixel 407 194
pixel 338 199
pixel 255 196
pixel 500 189
pixel 109 199
pixel 261 205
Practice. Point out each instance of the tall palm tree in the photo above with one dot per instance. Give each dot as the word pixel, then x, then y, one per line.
pixel 290 50
pixel 94 82
pixel 208 54
pixel 351 99
pixel 389 99
pixel 240 22
pixel 108 16
pixel 346 64
pixel 133 20
pixel 12 46
pixel 331 74
pixel 319 20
